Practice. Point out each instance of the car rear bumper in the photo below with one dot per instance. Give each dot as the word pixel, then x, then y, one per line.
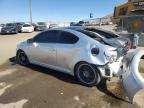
pixel 110 69
pixel 25 31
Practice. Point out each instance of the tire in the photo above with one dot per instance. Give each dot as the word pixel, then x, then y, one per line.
pixel 87 74
pixel 16 32
pixel 22 58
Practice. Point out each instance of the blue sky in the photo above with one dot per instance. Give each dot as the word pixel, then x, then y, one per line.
pixel 55 10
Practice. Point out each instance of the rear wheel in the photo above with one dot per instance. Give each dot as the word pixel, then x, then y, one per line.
pixel 87 74
pixel 22 58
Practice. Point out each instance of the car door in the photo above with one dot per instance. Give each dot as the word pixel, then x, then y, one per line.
pixel 66 50
pixel 133 77
pixel 43 49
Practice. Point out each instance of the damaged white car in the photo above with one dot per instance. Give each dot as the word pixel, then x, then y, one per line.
pixel 80 53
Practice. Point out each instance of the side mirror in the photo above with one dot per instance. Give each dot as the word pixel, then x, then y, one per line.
pixel 30 41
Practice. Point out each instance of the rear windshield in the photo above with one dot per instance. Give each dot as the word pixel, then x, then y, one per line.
pixel 105 34
pixel 26 25
pixel 91 35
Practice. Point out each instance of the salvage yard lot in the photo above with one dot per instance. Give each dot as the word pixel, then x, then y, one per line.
pixel 38 87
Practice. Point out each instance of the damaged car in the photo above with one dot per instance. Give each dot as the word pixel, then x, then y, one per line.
pixel 81 54
pixel 85 55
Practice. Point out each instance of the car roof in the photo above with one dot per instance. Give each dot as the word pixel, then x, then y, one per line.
pixel 73 31
pixel 90 27
pixel 83 27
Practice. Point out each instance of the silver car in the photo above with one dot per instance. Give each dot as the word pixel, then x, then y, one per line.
pixel 73 52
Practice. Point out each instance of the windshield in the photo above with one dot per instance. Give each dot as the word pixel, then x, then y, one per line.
pixel 10 25
pixel 41 23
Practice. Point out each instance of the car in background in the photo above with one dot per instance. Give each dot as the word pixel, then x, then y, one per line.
pixel 35 26
pixel 1 26
pixel 10 28
pixel 70 51
pixel 41 26
pixel 27 28
pixel 109 23
pixel 53 26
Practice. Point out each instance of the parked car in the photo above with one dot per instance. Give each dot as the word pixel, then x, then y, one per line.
pixel 11 28
pixel 53 26
pixel 70 51
pixel 41 26
pixel 35 26
pixel 19 26
pixel 1 26
pixel 27 28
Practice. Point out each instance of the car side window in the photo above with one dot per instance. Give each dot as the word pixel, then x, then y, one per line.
pixel 67 38
pixel 47 37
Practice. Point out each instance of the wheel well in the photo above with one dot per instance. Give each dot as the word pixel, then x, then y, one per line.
pixel 75 67
pixel 20 50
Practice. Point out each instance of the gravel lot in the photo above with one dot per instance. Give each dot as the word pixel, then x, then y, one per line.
pixel 38 87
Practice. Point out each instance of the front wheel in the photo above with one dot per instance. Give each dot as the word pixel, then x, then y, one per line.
pixel 22 59
pixel 87 74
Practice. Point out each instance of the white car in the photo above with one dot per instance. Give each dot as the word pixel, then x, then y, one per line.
pixel 69 51
pixel 1 26
pixel 27 28
pixel 0 29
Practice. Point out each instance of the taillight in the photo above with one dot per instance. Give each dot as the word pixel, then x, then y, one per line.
pixel 95 51
pixel 129 45
pixel 111 54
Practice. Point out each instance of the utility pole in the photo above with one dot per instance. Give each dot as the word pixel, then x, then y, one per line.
pixel 30 10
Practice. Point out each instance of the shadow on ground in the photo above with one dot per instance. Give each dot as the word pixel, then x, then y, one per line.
pixel 67 78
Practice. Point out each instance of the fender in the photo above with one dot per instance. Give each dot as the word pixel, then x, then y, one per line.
pixel 132 79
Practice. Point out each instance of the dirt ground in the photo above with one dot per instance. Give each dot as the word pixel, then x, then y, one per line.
pixel 38 87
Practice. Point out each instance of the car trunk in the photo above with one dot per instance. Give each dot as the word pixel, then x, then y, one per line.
pixel 121 45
